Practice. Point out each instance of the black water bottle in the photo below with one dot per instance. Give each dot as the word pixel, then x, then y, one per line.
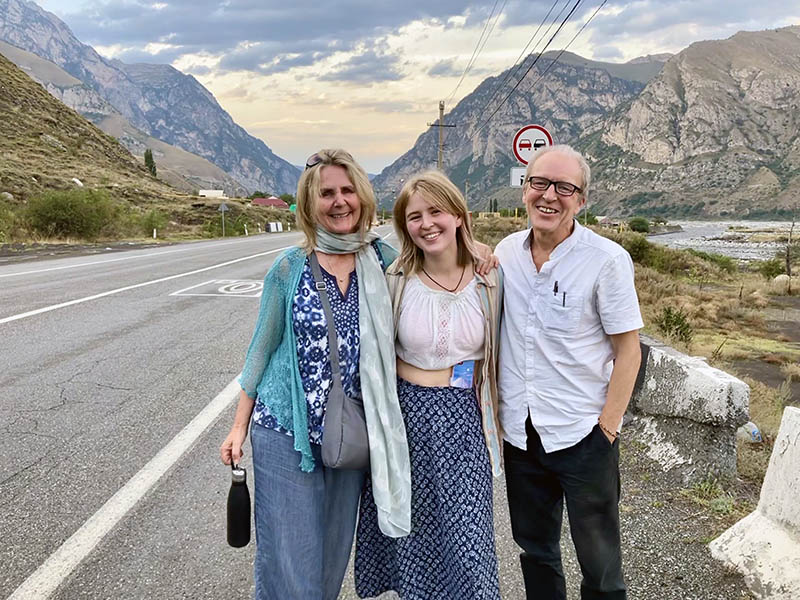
pixel 238 508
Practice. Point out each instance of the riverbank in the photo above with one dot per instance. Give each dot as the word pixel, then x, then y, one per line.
pixel 742 240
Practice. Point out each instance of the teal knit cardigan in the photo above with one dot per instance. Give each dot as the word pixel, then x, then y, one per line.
pixel 270 369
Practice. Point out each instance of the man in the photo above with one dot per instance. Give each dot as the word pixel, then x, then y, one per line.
pixel 569 355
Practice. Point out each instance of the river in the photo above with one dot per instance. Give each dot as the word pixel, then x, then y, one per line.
pixel 718 237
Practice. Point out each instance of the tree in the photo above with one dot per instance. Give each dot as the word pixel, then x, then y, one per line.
pixel 639 224
pixel 288 198
pixel 149 162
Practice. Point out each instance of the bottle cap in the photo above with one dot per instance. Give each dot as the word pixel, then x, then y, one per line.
pixel 238 474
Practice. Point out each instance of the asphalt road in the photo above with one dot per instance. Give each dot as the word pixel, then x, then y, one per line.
pixel 112 371
pixel 91 392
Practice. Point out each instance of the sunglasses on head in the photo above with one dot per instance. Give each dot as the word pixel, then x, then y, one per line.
pixel 313 161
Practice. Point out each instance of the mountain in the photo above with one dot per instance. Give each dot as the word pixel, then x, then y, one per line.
pixel 566 96
pixel 157 99
pixel 716 133
pixel 180 169
pixel 45 145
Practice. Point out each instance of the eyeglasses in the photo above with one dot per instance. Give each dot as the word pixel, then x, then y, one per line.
pixel 563 188
pixel 313 161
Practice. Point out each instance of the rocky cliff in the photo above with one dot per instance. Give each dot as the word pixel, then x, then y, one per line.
pixel 184 114
pixel 716 133
pixel 567 97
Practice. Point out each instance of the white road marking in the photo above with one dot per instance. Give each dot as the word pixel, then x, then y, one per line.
pixel 111 260
pixel 44 580
pixel 231 287
pixel 45 309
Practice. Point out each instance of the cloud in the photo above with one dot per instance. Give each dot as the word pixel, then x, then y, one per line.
pixel 252 35
pixel 197 70
pixel 609 53
pixel 445 68
pixel 366 68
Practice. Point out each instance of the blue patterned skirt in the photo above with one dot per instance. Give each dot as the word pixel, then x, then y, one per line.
pixel 450 552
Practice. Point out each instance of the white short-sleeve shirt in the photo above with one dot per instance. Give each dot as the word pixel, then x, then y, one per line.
pixel 556 356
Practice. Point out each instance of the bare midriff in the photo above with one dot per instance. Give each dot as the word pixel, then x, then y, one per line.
pixel 412 374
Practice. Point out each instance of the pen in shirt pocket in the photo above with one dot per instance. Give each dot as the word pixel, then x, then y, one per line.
pixel 564 299
pixel 555 288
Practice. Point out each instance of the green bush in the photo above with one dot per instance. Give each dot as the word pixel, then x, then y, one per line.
pixel 80 213
pixel 639 224
pixel 234 226
pixel 153 219
pixel 725 263
pixel 586 217
pixel 770 269
pixel 9 223
pixel 638 247
pixel 675 324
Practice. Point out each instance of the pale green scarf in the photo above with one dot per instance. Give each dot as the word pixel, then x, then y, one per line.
pixel 388 446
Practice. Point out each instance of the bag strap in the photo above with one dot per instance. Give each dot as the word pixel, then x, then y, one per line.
pixel 333 343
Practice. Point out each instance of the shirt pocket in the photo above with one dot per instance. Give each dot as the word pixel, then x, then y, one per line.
pixel 562 313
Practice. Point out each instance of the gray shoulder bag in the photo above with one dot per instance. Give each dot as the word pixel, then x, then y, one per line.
pixel 345 444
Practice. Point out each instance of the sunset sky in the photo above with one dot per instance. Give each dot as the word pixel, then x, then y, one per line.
pixel 368 76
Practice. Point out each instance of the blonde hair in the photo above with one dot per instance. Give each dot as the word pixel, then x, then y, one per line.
pixel 308 191
pixel 442 193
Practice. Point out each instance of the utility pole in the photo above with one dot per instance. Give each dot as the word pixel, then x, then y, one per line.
pixel 440 125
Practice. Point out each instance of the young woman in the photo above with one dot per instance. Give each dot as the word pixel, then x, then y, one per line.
pixel 446 322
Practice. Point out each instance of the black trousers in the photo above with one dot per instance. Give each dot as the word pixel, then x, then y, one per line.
pixel 587 475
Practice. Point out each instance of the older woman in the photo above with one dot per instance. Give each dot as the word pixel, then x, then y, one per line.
pixel 305 512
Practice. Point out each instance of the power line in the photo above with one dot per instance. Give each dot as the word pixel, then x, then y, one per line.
pixel 517 64
pixel 516 85
pixel 480 44
pixel 564 49
pixel 515 67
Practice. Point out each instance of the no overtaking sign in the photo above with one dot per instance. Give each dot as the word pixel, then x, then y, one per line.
pixel 528 140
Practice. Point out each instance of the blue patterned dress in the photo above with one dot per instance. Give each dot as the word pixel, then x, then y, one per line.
pixel 450 553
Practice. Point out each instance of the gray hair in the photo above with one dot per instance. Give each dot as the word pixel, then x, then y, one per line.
pixel 586 171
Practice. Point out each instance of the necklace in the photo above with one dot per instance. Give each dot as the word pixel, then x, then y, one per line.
pixel 460 279
pixel 332 271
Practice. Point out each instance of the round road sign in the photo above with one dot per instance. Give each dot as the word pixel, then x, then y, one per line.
pixel 528 140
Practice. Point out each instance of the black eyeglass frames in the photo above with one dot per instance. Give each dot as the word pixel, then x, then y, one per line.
pixel 563 188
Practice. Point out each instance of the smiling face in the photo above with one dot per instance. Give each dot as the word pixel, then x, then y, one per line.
pixel 550 213
pixel 338 206
pixel 431 229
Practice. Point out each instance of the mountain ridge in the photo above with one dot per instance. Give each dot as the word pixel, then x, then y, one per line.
pixel 244 157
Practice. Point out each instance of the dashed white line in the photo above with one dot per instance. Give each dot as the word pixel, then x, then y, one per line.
pixel 46 579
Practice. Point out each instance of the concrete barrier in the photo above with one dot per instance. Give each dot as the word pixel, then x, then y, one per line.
pixel 687 412
pixel 765 545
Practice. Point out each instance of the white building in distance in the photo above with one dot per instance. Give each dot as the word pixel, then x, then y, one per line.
pixel 212 193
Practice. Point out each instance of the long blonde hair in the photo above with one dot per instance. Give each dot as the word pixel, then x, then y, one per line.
pixel 439 191
pixel 308 192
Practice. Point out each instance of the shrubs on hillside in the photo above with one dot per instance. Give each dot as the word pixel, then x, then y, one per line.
pixel 83 213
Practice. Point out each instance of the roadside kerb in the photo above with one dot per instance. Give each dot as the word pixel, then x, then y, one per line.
pixel 688 412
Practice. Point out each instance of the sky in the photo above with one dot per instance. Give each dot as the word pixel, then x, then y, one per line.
pixel 367 75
